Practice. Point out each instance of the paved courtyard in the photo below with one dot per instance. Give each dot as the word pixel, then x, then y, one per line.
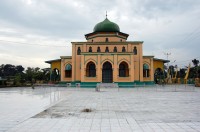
pixel 141 109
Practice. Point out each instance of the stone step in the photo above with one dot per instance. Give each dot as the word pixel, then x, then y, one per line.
pixel 107 85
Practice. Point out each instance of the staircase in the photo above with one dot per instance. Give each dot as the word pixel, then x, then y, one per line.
pixel 107 85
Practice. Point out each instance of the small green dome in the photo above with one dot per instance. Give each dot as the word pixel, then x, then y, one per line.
pixel 106 26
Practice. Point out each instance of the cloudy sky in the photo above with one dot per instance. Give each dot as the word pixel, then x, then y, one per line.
pixel 33 31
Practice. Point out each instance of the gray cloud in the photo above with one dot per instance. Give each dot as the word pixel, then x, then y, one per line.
pixel 164 26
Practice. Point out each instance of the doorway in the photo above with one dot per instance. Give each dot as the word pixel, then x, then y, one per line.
pixel 107 73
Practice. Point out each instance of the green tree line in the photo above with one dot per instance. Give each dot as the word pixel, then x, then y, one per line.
pixel 18 75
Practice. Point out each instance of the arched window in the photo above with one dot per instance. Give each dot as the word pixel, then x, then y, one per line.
pixel 68 70
pixel 107 50
pixel 98 49
pixel 106 39
pixel 90 49
pixel 123 49
pixel 145 70
pixel 91 70
pixel 135 50
pixel 123 69
pixel 115 49
pixel 78 51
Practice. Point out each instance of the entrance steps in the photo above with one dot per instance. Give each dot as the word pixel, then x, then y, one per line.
pixel 107 85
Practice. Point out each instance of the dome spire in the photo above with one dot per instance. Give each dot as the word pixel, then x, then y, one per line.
pixel 106 14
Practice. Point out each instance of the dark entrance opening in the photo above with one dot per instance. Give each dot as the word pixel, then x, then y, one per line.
pixel 107 73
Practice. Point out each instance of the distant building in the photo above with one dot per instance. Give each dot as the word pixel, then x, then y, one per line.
pixel 106 57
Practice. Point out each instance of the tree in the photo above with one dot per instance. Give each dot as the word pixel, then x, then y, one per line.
pixel 19 76
pixel 34 74
pixel 19 69
pixel 1 70
pixel 46 74
pixel 171 69
pixel 10 70
pixel 195 63
pixel 181 73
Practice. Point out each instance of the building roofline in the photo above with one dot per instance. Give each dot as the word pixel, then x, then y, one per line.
pixel 165 61
pixel 148 56
pixel 50 61
pixel 126 42
pixel 65 57
pixel 93 33
pixel 103 53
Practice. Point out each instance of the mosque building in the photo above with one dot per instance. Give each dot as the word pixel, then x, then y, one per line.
pixel 106 57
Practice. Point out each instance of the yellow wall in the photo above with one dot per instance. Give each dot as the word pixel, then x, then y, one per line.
pixel 56 64
pixel 135 62
pixel 79 62
pixel 158 64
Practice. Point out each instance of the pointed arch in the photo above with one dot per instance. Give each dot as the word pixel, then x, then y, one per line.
pixel 123 69
pixel 68 71
pixel 103 61
pixel 90 60
pixel 91 69
pixel 135 50
pixel 107 49
pixel 98 49
pixel 115 49
pixel 107 72
pixel 125 60
pixel 90 49
pixel 123 49
pixel 145 70
pixel 78 51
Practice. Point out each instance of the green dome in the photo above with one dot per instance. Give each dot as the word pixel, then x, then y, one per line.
pixel 106 26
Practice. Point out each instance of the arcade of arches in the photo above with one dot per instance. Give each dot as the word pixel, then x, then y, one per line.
pixel 106 56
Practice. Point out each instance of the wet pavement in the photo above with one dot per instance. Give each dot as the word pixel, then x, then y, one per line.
pixel 149 109
pixel 19 104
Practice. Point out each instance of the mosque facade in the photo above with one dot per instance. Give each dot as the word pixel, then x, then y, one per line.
pixel 106 57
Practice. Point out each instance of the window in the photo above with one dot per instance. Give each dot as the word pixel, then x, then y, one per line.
pixel 107 50
pixel 92 40
pixel 78 51
pixel 68 70
pixel 135 51
pixel 115 49
pixel 90 49
pixel 123 69
pixel 98 49
pixel 106 39
pixel 123 49
pixel 91 70
pixel 121 40
pixel 145 70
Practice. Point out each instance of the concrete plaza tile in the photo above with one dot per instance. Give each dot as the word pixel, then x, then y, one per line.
pixel 158 130
pixel 105 130
pixel 169 108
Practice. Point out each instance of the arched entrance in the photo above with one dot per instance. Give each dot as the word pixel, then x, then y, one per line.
pixel 107 73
